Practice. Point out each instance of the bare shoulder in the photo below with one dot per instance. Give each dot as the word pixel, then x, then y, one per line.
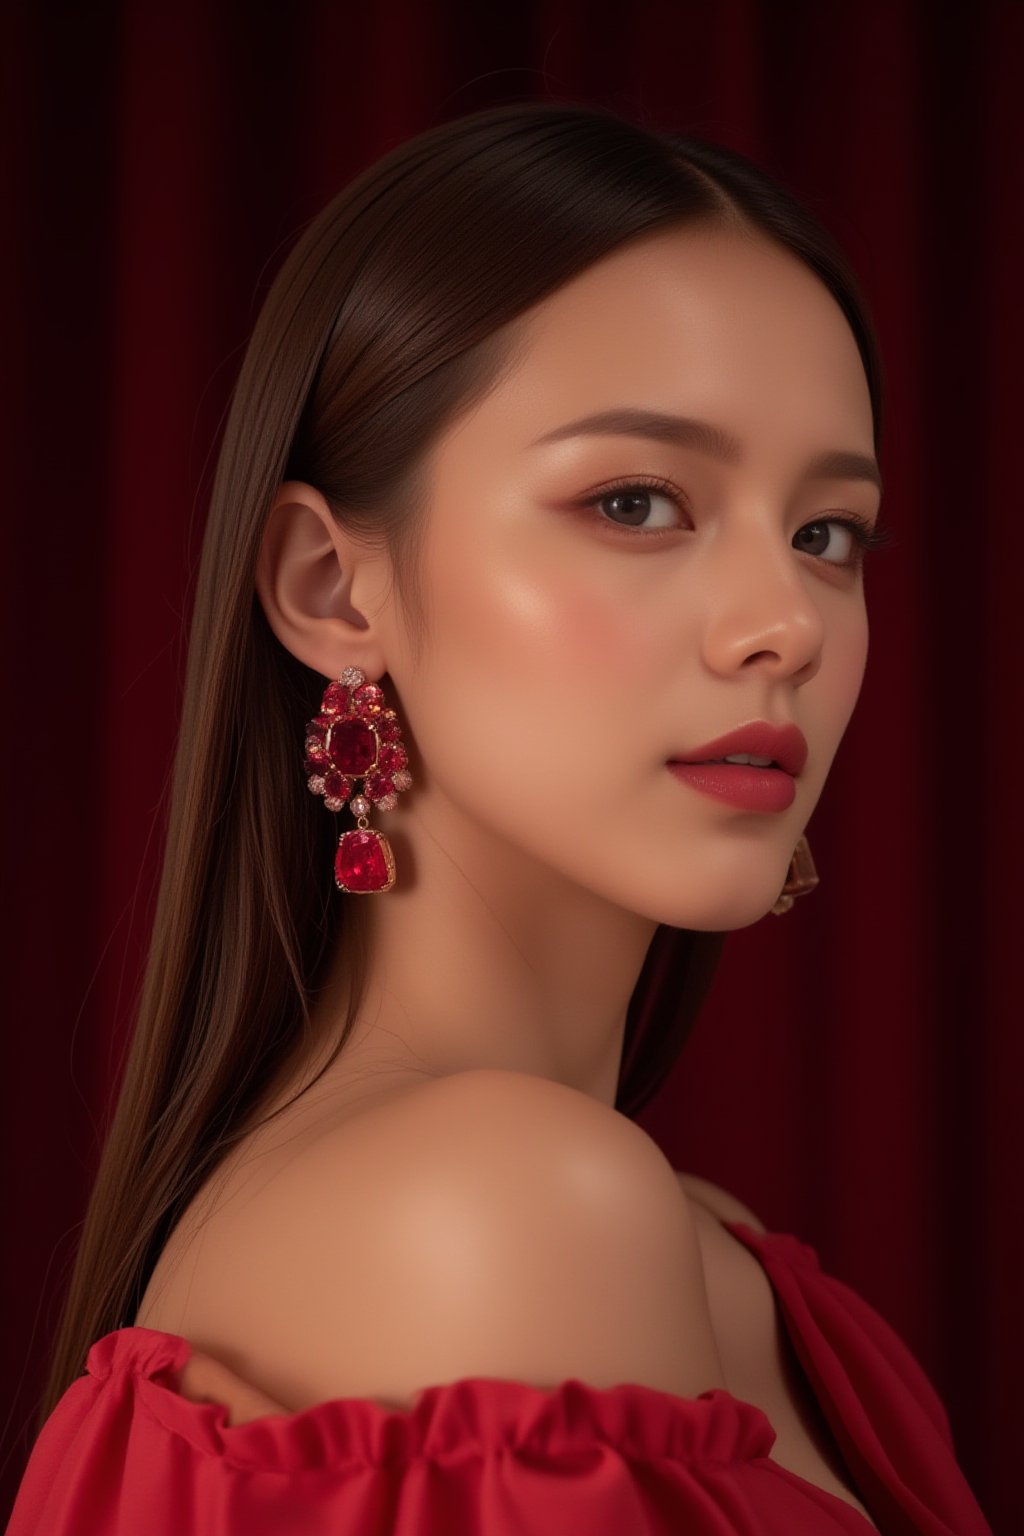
pixel 487 1224
pixel 724 1205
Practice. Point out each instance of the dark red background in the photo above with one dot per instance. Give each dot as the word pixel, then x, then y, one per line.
pixel 857 1074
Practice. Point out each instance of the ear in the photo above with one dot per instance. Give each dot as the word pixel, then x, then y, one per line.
pixel 324 592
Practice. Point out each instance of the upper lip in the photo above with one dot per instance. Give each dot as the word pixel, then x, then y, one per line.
pixel 785 744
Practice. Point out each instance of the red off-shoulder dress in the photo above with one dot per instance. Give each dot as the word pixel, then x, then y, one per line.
pixel 124 1454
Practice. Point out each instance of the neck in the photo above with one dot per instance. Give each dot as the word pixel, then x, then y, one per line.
pixel 482 957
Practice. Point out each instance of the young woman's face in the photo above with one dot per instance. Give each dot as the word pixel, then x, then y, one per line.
pixel 584 630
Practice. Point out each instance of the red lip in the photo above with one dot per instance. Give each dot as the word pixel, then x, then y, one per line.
pixel 786 744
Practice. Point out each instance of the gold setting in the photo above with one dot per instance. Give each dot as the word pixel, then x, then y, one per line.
pixel 801 880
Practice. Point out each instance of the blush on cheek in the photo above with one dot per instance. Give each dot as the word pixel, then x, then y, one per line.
pixel 552 616
pixel 598 639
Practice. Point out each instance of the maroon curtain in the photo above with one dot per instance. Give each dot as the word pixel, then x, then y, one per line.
pixel 857 1075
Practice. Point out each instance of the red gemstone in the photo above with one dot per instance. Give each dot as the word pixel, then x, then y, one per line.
pixel 336 786
pixel 388 727
pixel 368 695
pixel 392 758
pixel 376 786
pixel 312 769
pixel 335 700
pixel 353 747
pixel 364 862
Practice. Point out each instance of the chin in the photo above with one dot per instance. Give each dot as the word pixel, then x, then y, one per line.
pixel 733 909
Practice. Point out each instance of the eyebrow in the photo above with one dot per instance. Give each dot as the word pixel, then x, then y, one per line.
pixel 706 437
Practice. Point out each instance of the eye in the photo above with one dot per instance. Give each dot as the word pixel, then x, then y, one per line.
pixel 827 535
pixel 630 504
pixel 857 537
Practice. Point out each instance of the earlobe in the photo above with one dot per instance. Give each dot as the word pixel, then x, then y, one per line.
pixel 311 577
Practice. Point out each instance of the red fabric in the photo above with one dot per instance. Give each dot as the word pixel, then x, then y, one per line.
pixel 124 1453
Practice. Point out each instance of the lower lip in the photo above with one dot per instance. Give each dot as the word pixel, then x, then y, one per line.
pixel 748 788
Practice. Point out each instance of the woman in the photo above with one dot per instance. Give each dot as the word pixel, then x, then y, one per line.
pixel 548 480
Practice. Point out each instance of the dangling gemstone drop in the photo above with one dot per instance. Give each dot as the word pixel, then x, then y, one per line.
pixel 364 862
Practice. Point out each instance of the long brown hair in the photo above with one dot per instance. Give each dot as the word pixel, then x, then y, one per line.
pixel 383 321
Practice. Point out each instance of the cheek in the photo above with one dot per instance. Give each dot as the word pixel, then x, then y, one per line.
pixel 601 646
pixel 531 662
pixel 544 626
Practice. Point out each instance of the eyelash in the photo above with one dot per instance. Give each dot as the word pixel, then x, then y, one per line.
pixel 867 537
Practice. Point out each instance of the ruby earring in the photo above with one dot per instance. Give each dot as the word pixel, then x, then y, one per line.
pixel 356 736
pixel 801 879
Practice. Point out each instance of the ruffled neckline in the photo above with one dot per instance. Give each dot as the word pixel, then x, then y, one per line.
pixel 448 1421
pixel 885 1415
pixel 478 1414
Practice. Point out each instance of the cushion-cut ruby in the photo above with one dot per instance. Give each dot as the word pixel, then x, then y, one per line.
pixel 353 747
pixel 364 862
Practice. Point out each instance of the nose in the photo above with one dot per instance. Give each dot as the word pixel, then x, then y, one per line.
pixel 762 612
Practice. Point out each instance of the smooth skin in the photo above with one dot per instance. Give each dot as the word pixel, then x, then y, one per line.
pixel 570 657
pixel 439 1203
